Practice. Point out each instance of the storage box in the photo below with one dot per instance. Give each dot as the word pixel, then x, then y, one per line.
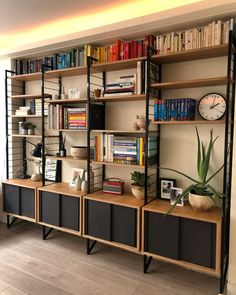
pixel 113 186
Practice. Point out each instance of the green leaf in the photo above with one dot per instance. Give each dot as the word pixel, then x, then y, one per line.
pixel 198 152
pixel 213 175
pixel 176 171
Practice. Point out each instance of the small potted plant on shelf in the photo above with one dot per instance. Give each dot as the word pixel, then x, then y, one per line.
pixel 201 195
pixel 24 128
pixel 137 186
pixel 31 128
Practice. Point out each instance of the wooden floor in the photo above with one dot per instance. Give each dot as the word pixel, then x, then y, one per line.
pixel 59 265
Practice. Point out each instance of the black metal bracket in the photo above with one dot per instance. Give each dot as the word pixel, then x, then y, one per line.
pixel 90 246
pixel 146 262
pixel 46 233
pixel 10 223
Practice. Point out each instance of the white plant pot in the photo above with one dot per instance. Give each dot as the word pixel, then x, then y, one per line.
pixel 36 177
pixel 200 203
pixel 137 191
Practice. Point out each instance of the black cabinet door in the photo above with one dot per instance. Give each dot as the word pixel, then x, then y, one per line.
pixel 97 219
pixel 49 208
pixel 124 225
pixel 27 200
pixel 161 234
pixel 198 242
pixel 11 199
pixel 70 212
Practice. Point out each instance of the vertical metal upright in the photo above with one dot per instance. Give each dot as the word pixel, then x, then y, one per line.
pixel 228 154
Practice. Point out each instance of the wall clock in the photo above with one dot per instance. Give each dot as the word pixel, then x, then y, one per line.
pixel 212 106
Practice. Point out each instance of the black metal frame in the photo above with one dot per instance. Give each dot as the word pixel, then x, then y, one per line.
pixel 90 245
pixel 46 233
pixel 12 221
pixel 228 154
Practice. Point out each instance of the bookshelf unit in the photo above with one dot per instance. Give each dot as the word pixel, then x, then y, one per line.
pixel 195 240
pixel 123 221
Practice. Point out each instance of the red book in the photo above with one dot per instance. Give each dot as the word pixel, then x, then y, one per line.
pixel 134 49
pixel 117 49
pixel 113 53
pixel 140 48
pixel 127 50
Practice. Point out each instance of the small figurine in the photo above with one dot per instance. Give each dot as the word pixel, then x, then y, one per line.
pixel 139 124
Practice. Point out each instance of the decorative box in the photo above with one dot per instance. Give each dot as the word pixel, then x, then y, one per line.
pixel 113 186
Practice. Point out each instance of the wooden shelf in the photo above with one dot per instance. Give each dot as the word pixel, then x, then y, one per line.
pixel 67 158
pixel 214 215
pixel 213 51
pixel 127 200
pixel 119 131
pixel 117 98
pixel 62 188
pixel 116 164
pixel 25 116
pixel 116 65
pixel 69 101
pixel 68 130
pixel 21 135
pixel 194 122
pixel 30 96
pixel 24 182
pixel 208 52
pixel 191 83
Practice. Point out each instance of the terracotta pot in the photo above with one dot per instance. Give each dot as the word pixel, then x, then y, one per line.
pixel 137 191
pixel 201 203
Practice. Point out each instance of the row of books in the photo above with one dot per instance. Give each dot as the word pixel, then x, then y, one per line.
pixel 33 108
pixel 73 118
pixel 178 109
pixel 215 33
pixel 125 85
pixel 123 149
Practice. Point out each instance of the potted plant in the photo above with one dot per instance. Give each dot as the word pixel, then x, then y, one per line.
pixel 30 127
pixel 201 195
pixel 138 184
pixel 24 128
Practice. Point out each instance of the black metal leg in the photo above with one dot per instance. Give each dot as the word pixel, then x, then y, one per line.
pixel 223 276
pixel 90 247
pixel 146 263
pixel 46 233
pixel 10 223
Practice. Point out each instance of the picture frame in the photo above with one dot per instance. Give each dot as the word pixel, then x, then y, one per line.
pixel 74 174
pixel 52 170
pixel 175 192
pixel 166 184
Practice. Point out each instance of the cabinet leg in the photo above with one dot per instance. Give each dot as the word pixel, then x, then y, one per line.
pixel 46 233
pixel 146 263
pixel 90 246
pixel 10 222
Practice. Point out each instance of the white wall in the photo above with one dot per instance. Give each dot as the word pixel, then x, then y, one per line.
pixel 4 64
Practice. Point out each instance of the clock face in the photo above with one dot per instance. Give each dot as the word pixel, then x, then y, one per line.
pixel 212 106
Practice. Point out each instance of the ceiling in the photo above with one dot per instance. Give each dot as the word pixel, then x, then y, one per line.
pixel 29 27
pixel 19 15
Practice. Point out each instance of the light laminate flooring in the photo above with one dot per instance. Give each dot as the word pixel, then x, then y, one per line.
pixel 60 266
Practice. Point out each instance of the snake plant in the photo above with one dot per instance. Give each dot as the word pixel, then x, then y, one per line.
pixel 201 186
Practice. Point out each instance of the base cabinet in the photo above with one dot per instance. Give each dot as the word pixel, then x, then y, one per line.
pixel 59 210
pixel 111 222
pixel 19 200
pixel 182 239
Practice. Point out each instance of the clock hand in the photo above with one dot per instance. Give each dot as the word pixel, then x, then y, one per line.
pixel 219 111
pixel 213 101
pixel 214 105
